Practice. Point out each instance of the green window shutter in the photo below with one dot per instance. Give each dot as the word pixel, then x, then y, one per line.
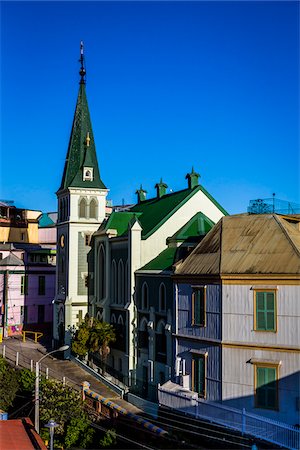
pixel 24 284
pixel 199 375
pixel 266 388
pixel 199 307
pixel 42 284
pixel 265 311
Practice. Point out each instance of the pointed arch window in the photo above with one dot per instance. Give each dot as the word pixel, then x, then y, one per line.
pixel 113 319
pixel 162 297
pixel 82 207
pixel 143 339
pixel 145 296
pixel 113 281
pixel 93 209
pixel 161 342
pixel 126 283
pixel 102 272
pixel 121 282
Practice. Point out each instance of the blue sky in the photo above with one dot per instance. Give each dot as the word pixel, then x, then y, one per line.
pixel 170 85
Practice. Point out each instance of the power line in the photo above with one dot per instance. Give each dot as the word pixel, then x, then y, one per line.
pixel 123 438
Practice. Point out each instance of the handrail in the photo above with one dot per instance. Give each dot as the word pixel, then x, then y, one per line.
pixel 37 335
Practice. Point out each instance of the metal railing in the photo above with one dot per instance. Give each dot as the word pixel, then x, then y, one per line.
pixel 247 423
pixel 22 362
pixel 37 335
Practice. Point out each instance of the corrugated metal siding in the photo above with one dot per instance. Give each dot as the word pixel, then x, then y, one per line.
pixel 238 316
pixel 213 312
pixel 238 382
pixel 213 366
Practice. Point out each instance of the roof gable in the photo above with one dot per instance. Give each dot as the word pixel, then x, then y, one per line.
pixel 246 244
pixel 154 212
pixel 11 260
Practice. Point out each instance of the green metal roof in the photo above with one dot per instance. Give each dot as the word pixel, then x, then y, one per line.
pixel 198 225
pixel 120 221
pixel 157 210
pixel 152 213
pixel 163 261
pixel 80 154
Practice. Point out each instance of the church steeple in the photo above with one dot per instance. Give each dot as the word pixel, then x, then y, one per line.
pixel 81 167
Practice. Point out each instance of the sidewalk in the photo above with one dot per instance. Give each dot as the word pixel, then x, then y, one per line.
pixel 57 368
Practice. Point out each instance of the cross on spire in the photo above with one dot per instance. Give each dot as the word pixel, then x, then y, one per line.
pixel 82 71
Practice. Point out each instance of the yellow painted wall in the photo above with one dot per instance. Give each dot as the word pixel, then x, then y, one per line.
pixel 14 234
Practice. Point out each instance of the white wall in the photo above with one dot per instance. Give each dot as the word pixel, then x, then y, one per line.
pixel 156 243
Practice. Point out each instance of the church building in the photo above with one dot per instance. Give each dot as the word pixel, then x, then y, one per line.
pixel 81 209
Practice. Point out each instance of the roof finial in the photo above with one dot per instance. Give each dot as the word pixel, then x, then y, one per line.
pixel 82 71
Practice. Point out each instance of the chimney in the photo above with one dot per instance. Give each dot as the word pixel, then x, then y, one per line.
pixel 141 193
pixel 192 179
pixel 161 188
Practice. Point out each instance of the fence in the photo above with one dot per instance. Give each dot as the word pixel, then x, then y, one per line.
pixel 149 408
pixel 110 384
pixel 240 420
pixel 21 361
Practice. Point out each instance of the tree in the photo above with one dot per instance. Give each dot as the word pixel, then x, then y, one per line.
pixel 65 406
pixel 9 384
pixel 109 439
pixel 79 344
pixel 93 336
pixel 101 335
pixel 26 380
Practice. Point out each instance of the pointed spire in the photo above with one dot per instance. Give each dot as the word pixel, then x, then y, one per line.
pixel 81 157
pixel 82 71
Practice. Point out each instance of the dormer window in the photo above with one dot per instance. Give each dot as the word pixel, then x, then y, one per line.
pixel 88 174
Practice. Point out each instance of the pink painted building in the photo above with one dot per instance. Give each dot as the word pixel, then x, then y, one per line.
pixel 27 282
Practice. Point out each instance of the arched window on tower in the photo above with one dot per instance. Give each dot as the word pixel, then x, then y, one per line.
pixel 102 272
pixel 145 296
pixel 82 208
pixel 93 209
pixel 121 282
pixel 162 297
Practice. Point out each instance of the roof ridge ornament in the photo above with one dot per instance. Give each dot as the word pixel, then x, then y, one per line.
pixel 82 71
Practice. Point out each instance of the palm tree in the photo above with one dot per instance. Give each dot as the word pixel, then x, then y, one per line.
pixel 101 336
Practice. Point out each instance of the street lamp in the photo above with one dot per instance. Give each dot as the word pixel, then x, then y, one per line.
pixel 37 387
pixel 51 425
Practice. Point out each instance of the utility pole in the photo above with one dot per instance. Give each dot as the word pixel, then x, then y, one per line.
pixel 5 303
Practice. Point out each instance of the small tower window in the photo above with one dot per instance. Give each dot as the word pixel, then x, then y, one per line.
pixel 88 174
pixel 82 208
pixel 93 209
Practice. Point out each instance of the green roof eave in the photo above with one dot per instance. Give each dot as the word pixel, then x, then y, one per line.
pixel 47 251
pixel 163 261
